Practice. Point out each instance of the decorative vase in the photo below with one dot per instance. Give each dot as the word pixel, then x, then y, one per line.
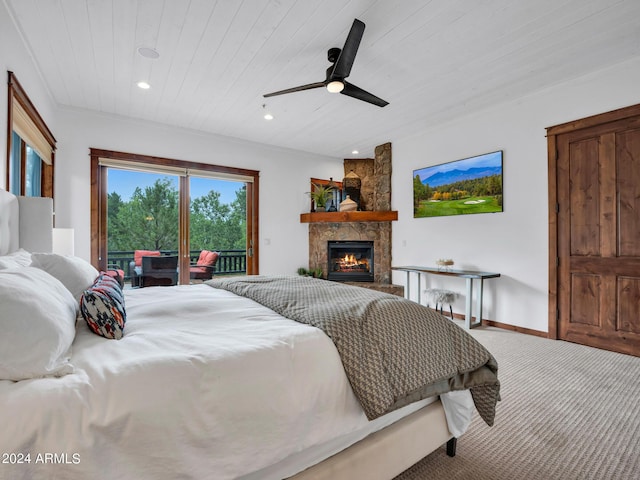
pixel 348 205
pixel 351 184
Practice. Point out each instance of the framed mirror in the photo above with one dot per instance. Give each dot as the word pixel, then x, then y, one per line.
pixel 328 190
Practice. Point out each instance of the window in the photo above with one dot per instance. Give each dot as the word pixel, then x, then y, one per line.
pixel 186 176
pixel 30 146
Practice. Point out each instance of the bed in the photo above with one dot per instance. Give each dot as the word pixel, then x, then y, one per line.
pixel 205 382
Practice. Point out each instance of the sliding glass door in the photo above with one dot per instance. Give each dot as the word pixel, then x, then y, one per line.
pixel 176 208
pixel 218 223
pixel 142 214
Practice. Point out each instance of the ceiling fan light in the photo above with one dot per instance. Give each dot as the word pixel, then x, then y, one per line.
pixel 335 87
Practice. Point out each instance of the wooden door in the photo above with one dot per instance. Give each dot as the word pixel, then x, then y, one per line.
pixel 597 265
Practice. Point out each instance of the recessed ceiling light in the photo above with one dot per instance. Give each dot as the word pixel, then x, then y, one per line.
pixel 148 52
pixel 267 114
pixel 144 85
pixel 355 152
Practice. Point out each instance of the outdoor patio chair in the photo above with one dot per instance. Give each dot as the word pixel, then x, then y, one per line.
pixel 204 266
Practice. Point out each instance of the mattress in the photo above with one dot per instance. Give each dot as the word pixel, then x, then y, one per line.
pixel 204 384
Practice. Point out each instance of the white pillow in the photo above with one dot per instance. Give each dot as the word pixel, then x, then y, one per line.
pixel 75 273
pixel 37 325
pixel 20 258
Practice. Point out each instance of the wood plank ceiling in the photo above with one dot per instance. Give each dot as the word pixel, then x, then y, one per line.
pixel 432 60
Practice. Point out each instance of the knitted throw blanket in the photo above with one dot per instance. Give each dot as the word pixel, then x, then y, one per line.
pixel 394 351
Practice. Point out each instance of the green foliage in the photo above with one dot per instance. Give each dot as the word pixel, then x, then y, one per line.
pixel 313 272
pixel 219 226
pixel 238 219
pixel 321 194
pixel 459 207
pixel 149 221
pixel 484 186
pixel 421 192
pixel 450 199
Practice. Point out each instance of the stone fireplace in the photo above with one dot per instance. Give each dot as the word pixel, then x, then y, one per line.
pixel 378 233
pixel 371 225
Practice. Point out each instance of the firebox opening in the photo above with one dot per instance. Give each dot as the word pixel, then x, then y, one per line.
pixel 350 261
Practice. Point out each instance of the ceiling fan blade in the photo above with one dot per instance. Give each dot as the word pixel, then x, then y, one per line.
pixel 342 68
pixel 356 92
pixel 296 89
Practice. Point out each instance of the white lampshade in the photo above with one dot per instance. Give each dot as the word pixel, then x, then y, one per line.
pixel 63 241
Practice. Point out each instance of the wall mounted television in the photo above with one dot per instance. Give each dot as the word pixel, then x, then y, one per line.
pixel 461 187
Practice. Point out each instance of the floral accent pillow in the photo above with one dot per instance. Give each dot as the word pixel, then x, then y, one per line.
pixel 102 307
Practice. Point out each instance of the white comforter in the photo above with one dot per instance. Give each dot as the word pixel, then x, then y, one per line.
pixel 236 385
pixel 204 384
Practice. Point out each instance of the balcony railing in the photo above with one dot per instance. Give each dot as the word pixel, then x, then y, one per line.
pixel 229 261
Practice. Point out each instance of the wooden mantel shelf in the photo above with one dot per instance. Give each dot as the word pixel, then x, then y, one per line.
pixel 340 217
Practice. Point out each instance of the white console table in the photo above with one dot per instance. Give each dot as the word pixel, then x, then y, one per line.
pixel 469 275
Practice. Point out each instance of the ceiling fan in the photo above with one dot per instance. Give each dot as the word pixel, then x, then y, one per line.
pixel 341 63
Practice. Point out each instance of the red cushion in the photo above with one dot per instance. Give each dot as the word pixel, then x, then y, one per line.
pixel 138 254
pixel 198 269
pixel 207 258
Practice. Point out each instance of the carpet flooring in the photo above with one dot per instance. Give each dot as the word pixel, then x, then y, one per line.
pixel 567 412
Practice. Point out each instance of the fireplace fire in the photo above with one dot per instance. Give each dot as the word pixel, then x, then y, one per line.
pixel 350 261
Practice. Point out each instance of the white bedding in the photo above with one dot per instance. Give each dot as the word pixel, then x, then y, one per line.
pixel 260 388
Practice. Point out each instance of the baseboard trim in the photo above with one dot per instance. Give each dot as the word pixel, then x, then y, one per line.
pixel 514 328
pixel 504 326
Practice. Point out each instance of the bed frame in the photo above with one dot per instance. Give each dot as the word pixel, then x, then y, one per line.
pixel 27 222
pixel 390 451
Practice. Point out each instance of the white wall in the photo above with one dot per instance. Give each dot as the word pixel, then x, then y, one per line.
pixel 15 57
pixel 284 177
pixel 514 242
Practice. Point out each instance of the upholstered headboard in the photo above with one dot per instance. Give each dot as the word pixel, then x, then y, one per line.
pixel 25 222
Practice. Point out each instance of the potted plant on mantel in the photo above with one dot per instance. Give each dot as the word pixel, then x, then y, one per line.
pixel 320 194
